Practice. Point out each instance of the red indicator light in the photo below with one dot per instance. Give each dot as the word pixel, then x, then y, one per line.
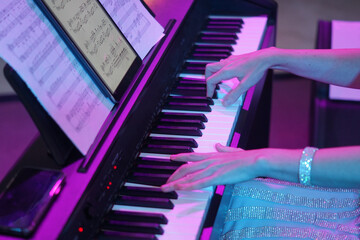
pixel 107 187
pixel 115 167
pixel 110 183
pixel 80 229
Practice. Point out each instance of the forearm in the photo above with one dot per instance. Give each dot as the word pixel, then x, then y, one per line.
pixel 331 167
pixel 340 66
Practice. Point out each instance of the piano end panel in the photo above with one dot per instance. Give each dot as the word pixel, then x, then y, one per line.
pixel 259 133
pixel 217 228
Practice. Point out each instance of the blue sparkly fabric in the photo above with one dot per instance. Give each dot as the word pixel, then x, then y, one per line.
pixel 273 209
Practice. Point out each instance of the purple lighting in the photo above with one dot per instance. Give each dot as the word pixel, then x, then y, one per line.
pixel 248 98
pixel 56 188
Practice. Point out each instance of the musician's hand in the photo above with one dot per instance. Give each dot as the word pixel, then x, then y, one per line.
pixel 247 68
pixel 227 166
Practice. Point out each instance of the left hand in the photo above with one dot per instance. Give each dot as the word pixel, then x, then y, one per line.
pixel 226 166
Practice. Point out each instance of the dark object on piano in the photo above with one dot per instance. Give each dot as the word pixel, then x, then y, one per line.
pixel 27 198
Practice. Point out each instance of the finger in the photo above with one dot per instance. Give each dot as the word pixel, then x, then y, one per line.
pixel 223 74
pixel 234 94
pixel 189 178
pixel 187 169
pixel 212 68
pixel 221 148
pixel 245 84
pixel 190 157
pixel 168 187
pixel 199 184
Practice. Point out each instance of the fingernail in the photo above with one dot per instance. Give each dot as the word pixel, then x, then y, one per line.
pixel 166 188
pixel 226 103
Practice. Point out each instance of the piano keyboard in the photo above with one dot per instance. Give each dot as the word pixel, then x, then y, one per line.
pixel 189 122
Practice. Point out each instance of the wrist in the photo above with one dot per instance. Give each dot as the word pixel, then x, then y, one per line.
pixel 272 57
pixel 263 162
pixel 282 164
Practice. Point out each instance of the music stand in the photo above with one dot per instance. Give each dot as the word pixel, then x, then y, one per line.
pixel 60 148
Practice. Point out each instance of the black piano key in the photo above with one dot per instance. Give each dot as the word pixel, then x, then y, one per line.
pixel 135 227
pixel 200 107
pixel 137 216
pixel 165 149
pixel 158 161
pixel 194 70
pixel 185 83
pixel 209 56
pixel 173 141
pixel 224 23
pixel 215 96
pixel 187 131
pixel 190 99
pixel 191 70
pixel 196 80
pixel 202 84
pixel 227 19
pixel 216 38
pixel 212 55
pixel 202 47
pixel 189 91
pixel 150 202
pixel 220 40
pixel 211 50
pixel 170 115
pixel 154 169
pixel 148 179
pixel 118 235
pixel 223 28
pixel 195 64
pixel 180 122
pixel 147 192
pixel 233 36
pixel 195 67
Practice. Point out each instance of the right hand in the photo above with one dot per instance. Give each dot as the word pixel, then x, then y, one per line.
pixel 247 68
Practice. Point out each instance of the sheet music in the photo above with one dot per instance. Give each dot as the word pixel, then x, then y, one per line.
pixel 32 47
pixel 96 37
pixel 136 23
pixel 345 34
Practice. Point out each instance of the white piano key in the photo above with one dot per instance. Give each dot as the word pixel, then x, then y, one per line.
pixel 195 194
pixel 251 35
pixel 185 219
pixel 155 155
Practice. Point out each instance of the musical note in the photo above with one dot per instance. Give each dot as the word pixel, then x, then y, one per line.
pixel 82 16
pixel 60 4
pixel 136 23
pixel 81 111
pixel 98 36
pixel 8 20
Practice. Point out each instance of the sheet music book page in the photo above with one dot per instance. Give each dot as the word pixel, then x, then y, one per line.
pixel 33 48
pixel 136 23
pixel 345 34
